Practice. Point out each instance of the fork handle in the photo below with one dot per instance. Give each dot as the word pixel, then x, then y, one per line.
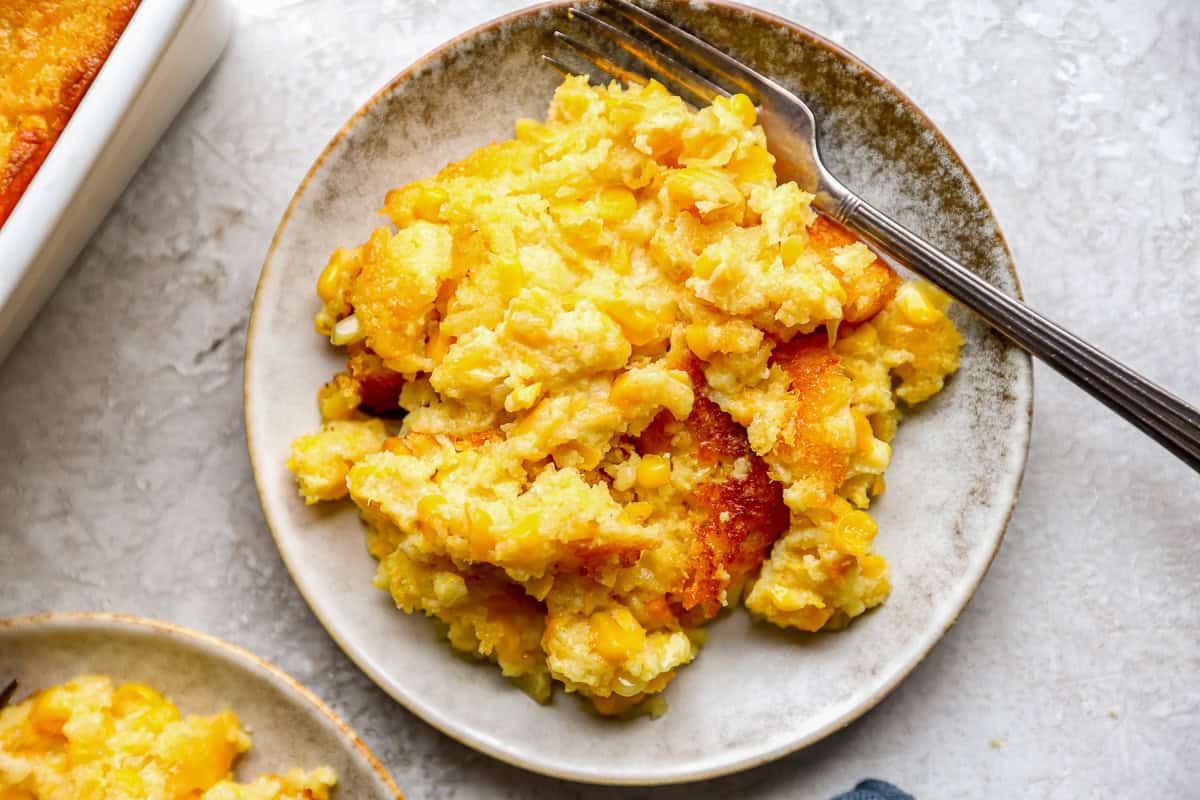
pixel 1156 412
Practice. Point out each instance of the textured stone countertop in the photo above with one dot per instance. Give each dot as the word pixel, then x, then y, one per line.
pixel 1075 671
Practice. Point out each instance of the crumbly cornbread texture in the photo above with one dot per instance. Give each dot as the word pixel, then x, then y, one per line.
pixel 50 50
pixel 637 379
pixel 89 740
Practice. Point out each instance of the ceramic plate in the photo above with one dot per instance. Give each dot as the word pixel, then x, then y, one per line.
pixel 202 675
pixel 754 693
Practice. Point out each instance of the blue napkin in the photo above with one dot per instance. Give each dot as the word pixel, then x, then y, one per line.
pixel 872 789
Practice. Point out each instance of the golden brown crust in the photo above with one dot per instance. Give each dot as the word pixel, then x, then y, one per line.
pixel 866 293
pixel 32 137
pixel 740 517
pixel 820 387
pixel 416 444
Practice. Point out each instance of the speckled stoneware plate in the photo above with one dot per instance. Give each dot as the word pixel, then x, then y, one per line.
pixel 201 674
pixel 754 693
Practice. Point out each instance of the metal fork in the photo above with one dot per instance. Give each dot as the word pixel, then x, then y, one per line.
pixel 699 72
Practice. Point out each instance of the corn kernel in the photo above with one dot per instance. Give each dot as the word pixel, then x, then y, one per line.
pixel 511 275
pixel 885 425
pixel 428 203
pixel 526 526
pixel 637 323
pixel 616 635
pixel 624 394
pixel 699 341
pixel 743 107
pixel 330 282
pixel 855 532
pixel 527 130
pixel 915 307
pixel 323 323
pixel 130 697
pixel 428 506
pixel 878 487
pixel 711 193
pixel 616 204
pixel 706 263
pixel 653 471
pixel 872 566
pixel 638 510
pixel 864 437
pixel 523 397
pixel 813 618
pixel 576 454
pixel 810 618
pixel 755 165
pixel 840 506
pixel 792 248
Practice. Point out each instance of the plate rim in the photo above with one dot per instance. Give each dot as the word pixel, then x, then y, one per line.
pixel 464 735
pixel 103 620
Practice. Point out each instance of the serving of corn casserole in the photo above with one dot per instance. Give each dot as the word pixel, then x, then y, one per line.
pixel 608 378
pixel 90 740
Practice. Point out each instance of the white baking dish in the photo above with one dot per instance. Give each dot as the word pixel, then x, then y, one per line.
pixel 160 58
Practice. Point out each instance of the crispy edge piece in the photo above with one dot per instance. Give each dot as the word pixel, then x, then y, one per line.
pixel 740 517
pixel 866 293
pixel 818 383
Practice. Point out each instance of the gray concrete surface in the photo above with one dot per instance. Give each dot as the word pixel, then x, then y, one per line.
pixel 1075 671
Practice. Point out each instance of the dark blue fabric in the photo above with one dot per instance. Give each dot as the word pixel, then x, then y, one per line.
pixel 872 789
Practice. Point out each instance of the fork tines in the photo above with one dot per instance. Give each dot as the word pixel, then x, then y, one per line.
pixel 661 49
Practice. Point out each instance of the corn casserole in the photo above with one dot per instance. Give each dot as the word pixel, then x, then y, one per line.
pixel 610 377
pixel 90 740
pixel 50 51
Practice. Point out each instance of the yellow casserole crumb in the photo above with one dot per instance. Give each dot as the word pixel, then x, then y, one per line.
pixel 90 740
pixel 323 459
pixel 640 380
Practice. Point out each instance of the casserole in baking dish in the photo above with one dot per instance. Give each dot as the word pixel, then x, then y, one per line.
pixel 86 89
